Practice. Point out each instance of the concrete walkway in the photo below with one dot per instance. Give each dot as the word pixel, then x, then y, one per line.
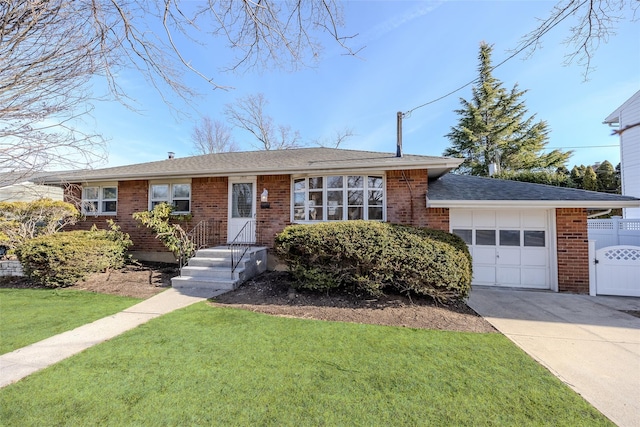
pixel 27 360
pixel 585 341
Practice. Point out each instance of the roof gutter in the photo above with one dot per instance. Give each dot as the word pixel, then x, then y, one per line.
pixel 548 204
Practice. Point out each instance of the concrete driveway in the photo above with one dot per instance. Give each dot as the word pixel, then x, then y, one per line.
pixel 587 342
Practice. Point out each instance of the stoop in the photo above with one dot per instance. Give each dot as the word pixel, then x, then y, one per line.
pixel 210 269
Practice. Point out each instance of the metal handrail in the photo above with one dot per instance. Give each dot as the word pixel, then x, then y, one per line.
pixel 241 244
pixel 202 235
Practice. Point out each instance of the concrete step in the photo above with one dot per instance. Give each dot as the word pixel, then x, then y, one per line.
pixel 185 282
pixel 210 262
pixel 210 268
pixel 211 272
pixel 217 252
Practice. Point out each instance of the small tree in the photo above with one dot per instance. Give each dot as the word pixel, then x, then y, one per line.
pixel 173 236
pixel 607 179
pixel 21 221
pixel 590 180
pixel 577 175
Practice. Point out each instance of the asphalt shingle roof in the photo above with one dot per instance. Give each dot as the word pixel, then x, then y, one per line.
pixel 265 162
pixel 452 187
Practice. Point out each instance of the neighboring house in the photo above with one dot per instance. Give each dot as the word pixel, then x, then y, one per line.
pixel 16 187
pixel 521 234
pixel 627 120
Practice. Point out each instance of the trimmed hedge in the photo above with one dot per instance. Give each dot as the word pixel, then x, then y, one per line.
pixel 62 259
pixel 372 256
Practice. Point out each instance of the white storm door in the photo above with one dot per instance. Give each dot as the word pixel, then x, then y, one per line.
pixel 242 209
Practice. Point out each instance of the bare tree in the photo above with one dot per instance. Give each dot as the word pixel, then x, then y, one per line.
pixel 337 137
pixel 51 49
pixel 45 65
pixel 212 136
pixel 248 113
pixel 594 21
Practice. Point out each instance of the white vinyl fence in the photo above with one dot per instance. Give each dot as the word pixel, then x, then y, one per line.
pixel 614 232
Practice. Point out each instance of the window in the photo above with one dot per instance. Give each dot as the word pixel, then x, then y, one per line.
pixel 534 238
pixel 464 234
pixel 100 200
pixel 177 195
pixel 338 198
pixel 509 237
pixel 486 237
pixel 242 200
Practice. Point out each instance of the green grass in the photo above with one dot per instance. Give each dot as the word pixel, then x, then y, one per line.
pixel 220 366
pixel 31 315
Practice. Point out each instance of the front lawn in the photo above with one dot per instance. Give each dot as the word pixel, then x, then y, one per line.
pixel 221 366
pixel 30 315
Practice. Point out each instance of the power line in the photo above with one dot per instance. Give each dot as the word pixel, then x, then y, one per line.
pixel 546 28
pixel 582 146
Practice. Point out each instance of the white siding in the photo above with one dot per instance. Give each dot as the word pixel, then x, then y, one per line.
pixel 629 114
pixel 27 192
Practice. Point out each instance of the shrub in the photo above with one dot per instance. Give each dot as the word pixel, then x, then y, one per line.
pixel 20 221
pixel 372 256
pixel 456 241
pixel 430 265
pixel 62 259
pixel 173 236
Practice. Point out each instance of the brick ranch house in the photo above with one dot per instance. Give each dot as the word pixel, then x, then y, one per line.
pixel 520 234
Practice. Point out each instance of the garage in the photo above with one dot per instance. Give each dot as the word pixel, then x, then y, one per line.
pixel 510 247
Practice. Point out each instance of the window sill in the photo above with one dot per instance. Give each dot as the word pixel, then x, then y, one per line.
pixel 99 213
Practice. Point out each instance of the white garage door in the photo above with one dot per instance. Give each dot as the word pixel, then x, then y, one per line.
pixel 509 247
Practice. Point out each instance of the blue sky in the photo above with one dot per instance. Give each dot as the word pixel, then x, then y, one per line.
pixel 414 52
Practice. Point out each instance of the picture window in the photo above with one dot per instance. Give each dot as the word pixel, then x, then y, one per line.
pixel 339 198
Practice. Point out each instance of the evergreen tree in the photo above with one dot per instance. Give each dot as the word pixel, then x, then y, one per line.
pixel 577 175
pixel 493 129
pixel 607 180
pixel 590 180
pixel 538 177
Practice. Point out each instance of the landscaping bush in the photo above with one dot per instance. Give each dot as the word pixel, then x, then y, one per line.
pixel 372 256
pixel 456 241
pixel 21 221
pixel 62 259
pixel 173 236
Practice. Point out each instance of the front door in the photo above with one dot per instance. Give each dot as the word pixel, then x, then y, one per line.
pixel 242 209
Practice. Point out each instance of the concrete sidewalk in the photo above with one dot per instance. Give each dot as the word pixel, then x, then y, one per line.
pixel 27 360
pixel 585 341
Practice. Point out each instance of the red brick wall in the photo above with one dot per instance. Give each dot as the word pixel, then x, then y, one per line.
pixel 132 197
pixel 274 219
pixel 406 197
pixel 210 201
pixel 573 250
pixel 438 218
